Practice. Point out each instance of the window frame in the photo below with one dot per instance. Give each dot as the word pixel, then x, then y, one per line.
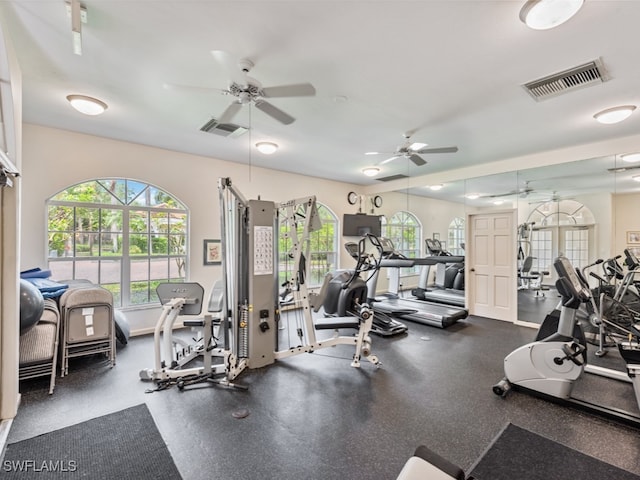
pixel 417 250
pixel 124 291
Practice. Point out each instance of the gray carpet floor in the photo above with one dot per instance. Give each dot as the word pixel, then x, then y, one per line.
pixel 314 417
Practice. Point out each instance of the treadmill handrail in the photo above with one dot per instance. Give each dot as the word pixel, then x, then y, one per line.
pixel 397 262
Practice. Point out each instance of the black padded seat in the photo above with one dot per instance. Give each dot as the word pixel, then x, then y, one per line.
pixel 334 323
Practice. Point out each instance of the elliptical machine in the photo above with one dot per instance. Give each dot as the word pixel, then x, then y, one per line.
pixel 346 289
pixel 548 367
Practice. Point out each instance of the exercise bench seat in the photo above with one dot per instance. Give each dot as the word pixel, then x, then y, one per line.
pixel 334 323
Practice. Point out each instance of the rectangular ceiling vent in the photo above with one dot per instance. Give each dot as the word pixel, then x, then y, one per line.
pixel 577 77
pixel 223 129
pixel 392 177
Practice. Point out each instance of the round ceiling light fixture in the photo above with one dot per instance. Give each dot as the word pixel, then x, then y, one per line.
pixel 630 157
pixel 472 196
pixel 87 105
pixel 371 171
pixel 546 14
pixel 636 178
pixel 615 114
pixel 436 187
pixel 267 147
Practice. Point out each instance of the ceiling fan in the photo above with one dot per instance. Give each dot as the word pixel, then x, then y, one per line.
pixel 555 198
pixel 523 192
pixel 412 151
pixel 248 90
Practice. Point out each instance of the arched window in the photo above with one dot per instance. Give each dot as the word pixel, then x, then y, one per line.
pixel 124 235
pixel 404 230
pixel 455 237
pixel 564 227
pixel 323 248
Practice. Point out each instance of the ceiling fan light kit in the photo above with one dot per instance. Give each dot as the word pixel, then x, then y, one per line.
pixel 546 14
pixel 248 90
pixel 267 148
pixel 630 157
pixel 87 105
pixel 615 114
pixel 412 151
pixel 371 171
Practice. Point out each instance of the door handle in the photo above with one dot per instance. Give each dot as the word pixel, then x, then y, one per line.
pixel 472 270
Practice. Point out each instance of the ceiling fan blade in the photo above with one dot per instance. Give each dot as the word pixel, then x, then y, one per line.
pixel 230 112
pixel 438 150
pixel 417 159
pixel 230 65
pixel 497 195
pixel 274 112
pixel 173 87
pixel 389 159
pixel 295 90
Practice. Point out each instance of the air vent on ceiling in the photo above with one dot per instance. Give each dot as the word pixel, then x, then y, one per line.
pixel 392 177
pixel 577 77
pixel 223 129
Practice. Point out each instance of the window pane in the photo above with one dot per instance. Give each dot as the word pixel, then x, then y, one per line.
pixel 177 268
pixel 116 188
pixel 110 244
pixel 110 220
pixel 159 245
pixel 159 269
pixel 140 293
pixel 88 270
pixel 178 222
pixel 110 271
pixel 139 269
pixel 87 219
pixel 177 244
pixel 60 244
pixel 138 244
pixel 87 245
pixel 136 190
pixel 61 270
pixel 138 221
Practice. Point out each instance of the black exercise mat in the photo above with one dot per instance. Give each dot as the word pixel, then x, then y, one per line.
pixel 124 444
pixel 517 453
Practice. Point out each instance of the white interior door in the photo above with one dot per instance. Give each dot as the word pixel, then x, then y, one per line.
pixel 491 264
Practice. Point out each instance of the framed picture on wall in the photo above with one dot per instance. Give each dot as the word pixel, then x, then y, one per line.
pixel 436 236
pixel 212 252
pixel 633 237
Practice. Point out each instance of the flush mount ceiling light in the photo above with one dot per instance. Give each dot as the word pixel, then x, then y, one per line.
pixel 266 147
pixel 472 196
pixel 546 14
pixel 636 178
pixel 498 202
pixel 615 114
pixel 87 105
pixel 436 187
pixel 630 157
pixel 370 171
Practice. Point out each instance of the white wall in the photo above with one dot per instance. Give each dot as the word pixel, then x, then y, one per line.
pixel 55 159
pixel 11 129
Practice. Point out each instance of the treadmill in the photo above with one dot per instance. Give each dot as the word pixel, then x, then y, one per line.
pixel 411 309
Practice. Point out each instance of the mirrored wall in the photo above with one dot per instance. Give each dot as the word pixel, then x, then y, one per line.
pixel 584 210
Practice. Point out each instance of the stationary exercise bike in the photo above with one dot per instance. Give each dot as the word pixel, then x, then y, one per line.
pixel 548 367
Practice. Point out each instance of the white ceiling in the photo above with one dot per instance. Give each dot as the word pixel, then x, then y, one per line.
pixel 450 70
